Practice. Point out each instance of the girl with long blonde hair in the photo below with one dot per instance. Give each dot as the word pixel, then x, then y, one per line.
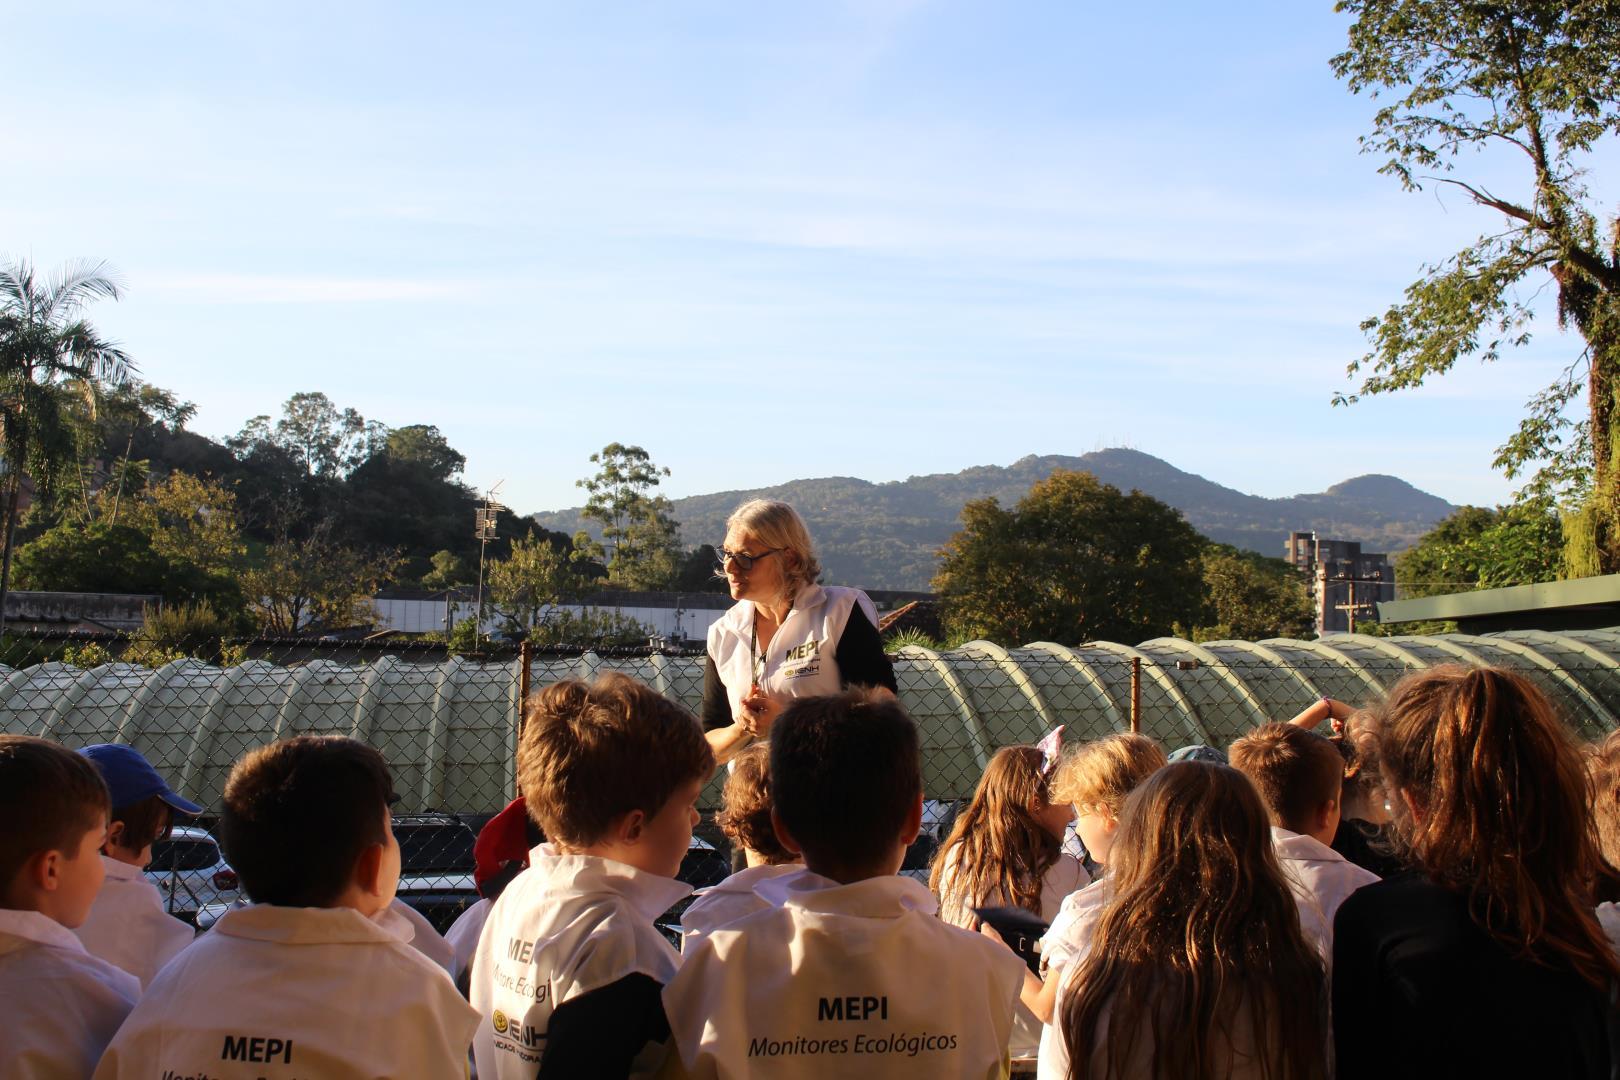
pixel 1497 933
pixel 1195 965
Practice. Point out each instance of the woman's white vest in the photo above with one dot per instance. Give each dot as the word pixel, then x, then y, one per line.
pixel 799 661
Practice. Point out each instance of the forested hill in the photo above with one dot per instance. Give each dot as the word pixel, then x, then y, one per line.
pixel 887 535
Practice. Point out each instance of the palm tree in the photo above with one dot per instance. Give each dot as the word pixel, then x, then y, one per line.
pixel 49 355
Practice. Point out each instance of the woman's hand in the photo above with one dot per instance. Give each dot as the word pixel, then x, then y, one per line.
pixel 760 710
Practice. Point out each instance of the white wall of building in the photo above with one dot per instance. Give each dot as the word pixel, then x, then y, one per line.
pixel 428 616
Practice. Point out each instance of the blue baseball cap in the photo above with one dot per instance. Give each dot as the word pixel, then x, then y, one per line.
pixel 131 778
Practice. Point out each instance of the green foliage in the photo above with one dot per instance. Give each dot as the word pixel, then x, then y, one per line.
pixel 1076 560
pixel 449 570
pixel 87 655
pixel 1538 81
pixel 464 639
pixel 1249 597
pixel 538 576
pixel 899 640
pixel 184 630
pixel 315 435
pixel 315 582
pixel 591 627
pixel 639 531
pixel 101 557
pixel 1476 548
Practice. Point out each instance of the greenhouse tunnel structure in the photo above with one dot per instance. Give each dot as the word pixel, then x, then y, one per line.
pixel 449 728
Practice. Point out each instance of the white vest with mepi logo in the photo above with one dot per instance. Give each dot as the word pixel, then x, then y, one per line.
pixel 799 661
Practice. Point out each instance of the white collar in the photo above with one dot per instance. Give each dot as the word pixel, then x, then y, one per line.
pixel 1301 848
pixel 649 894
pixel 885 897
pixel 748 880
pixel 118 870
pixel 39 928
pixel 313 926
pixel 741 616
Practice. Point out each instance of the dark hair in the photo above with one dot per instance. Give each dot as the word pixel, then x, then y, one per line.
pixel 591 752
pixel 146 821
pixel 746 817
pixel 846 773
pixel 299 814
pixel 49 798
pixel 1198 958
pixel 1296 771
pixel 1505 816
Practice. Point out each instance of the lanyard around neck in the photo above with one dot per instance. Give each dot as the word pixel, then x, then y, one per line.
pixel 756 662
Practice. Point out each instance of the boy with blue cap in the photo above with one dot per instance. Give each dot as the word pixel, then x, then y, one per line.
pixel 127 924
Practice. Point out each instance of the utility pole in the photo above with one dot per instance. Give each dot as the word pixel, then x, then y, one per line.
pixel 484 521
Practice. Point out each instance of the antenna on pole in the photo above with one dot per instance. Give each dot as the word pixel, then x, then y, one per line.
pixel 485 520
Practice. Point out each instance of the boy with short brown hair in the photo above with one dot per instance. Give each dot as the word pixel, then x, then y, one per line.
pixel 569 967
pixel 318 977
pixel 61 1005
pixel 1300 776
pixel 850 972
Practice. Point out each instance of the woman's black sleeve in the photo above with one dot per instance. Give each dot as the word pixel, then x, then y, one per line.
pixel 860 657
pixel 716 702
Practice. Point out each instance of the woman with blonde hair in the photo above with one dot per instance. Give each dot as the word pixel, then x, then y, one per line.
pixel 1196 965
pixel 787 636
pixel 1489 961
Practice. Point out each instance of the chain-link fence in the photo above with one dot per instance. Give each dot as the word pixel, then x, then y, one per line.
pixel 448 725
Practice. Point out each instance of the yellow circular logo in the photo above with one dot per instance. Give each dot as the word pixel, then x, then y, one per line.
pixel 500 1022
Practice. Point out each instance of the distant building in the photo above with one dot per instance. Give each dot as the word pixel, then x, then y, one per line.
pixel 1345 582
pixel 88 613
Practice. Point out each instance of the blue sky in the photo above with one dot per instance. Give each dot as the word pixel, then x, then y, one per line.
pixel 764 241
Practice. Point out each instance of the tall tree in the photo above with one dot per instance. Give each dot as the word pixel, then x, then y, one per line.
pixel 1249 597
pixel 1076 560
pixel 1537 82
pixel 639 531
pixel 47 352
pixel 536 578
pixel 315 582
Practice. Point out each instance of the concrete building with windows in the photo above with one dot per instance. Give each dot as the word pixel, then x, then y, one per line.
pixel 1346 583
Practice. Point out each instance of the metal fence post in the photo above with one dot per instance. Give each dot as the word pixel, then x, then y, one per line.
pixel 525 658
pixel 1136 695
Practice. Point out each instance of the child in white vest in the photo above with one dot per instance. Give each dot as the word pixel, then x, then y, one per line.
pixel 127 924
pixel 745 818
pixel 1300 776
pixel 60 1004
pixel 850 972
pixel 569 967
pixel 317 977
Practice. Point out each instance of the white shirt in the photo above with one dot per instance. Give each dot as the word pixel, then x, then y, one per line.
pixel 464 933
pixel 799 661
pixel 426 938
pixel 287 993
pixel 60 1004
pixel 1062 878
pixel 1321 878
pixel 844 980
pixel 725 903
pixel 127 925
pixel 567 925
pixel 1069 936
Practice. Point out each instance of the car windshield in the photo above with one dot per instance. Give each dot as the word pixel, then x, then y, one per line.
pixel 183 855
pixel 430 848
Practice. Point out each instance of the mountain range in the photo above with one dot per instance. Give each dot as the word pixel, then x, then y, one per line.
pixel 887 536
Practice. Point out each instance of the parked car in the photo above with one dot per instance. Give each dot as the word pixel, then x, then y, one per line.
pixel 190 872
pixel 436 866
